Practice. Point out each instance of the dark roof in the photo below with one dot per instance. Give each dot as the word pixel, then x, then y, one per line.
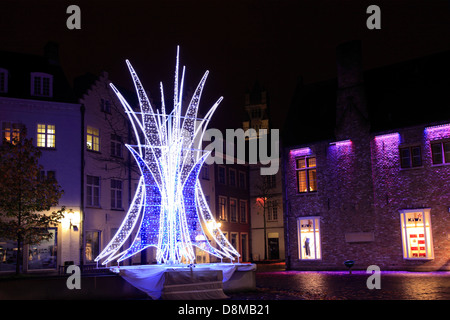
pixel 19 68
pixel 405 94
pixel 85 82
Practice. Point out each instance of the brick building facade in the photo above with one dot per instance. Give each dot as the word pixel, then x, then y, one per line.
pixel 371 182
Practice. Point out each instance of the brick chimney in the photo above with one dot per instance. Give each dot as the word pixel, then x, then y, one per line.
pixel 351 108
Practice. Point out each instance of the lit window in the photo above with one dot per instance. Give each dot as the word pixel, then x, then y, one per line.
pixel 92 245
pixel 11 131
pixel 41 84
pixel 93 191
pixel 116 194
pixel 306 174
pixel 46 136
pixel 440 152
pixel 234 240
pixel 93 139
pixel 233 210
pixel 410 157
pixel 309 238
pixel 223 208
pixel 243 210
pixel 3 80
pixel 417 238
pixel 116 146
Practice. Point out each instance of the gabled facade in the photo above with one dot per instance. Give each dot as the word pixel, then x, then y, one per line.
pixel 265 191
pixel 110 176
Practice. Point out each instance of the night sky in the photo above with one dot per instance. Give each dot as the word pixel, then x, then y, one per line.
pixel 240 42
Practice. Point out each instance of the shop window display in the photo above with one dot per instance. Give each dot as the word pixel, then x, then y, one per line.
pixel 309 238
pixel 416 234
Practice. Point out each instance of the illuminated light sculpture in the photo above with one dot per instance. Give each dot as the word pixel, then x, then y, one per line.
pixel 169 206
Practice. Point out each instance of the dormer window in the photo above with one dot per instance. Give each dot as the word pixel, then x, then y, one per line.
pixel 41 84
pixel 3 80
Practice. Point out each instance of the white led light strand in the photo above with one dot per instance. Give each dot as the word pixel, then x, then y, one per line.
pixel 169 202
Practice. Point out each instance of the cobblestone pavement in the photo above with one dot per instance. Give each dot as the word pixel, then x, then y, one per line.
pixel 340 285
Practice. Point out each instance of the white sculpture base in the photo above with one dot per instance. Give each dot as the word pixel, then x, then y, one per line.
pixel 184 282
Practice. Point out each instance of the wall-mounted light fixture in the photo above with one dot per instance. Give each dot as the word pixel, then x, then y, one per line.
pixel 71 220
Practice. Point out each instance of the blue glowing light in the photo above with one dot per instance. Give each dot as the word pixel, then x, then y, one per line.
pixel 169 205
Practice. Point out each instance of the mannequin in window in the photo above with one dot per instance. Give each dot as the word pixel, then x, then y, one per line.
pixel 307 250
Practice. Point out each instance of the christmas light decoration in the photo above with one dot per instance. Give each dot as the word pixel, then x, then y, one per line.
pixel 169 207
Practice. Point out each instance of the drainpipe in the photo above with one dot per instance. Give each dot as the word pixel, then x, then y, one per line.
pixel 285 209
pixel 82 110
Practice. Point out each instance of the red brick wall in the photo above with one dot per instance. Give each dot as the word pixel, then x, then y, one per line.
pixel 361 188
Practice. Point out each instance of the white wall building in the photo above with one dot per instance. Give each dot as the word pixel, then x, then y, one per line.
pixel 34 95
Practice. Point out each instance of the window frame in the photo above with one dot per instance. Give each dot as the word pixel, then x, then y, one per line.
pixel 98 249
pixel 307 169
pixel 442 152
pixel 232 173
pixel 221 169
pixel 116 148
pixel 271 205
pixel 242 179
pixel 41 76
pixel 410 158
pixel 234 217
pixel 90 199
pixel 223 212
pixel 116 194
pixel 245 213
pixel 46 134
pixel 205 172
pixel 90 138
pixel 14 130
pixel 317 249
pixel 427 235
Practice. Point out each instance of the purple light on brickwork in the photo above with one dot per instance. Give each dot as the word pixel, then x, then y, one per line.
pixel 437 132
pixel 342 143
pixel 390 137
pixel 300 152
pixel 387 148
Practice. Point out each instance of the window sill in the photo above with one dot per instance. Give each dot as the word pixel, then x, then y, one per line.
pixel 418 259
pixel 93 207
pixel 440 165
pixel 117 209
pixel 93 151
pixel 311 193
pixel 412 168
pixel 47 148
